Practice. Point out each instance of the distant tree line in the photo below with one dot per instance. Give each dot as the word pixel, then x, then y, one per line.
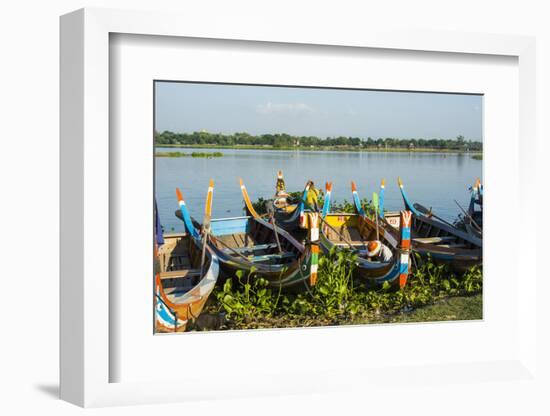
pixel 285 140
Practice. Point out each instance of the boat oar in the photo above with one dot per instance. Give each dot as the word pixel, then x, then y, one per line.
pixel 375 203
pixel 473 222
pixel 246 259
pixel 206 221
pixel 344 239
pixel 428 212
pixel 272 221
pixel 216 240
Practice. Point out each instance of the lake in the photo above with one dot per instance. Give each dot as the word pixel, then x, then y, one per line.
pixel 432 179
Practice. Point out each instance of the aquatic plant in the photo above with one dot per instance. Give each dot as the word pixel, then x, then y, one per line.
pixel 249 298
pixel 337 299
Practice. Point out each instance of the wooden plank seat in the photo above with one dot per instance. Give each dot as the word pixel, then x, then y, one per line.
pixel 249 249
pixel 435 240
pixel 453 245
pixel 176 274
pixel 359 244
pixel 345 235
pixel 175 295
pixel 276 256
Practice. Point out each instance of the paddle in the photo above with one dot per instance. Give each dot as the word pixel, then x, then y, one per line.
pixel 270 211
pixel 345 240
pixel 206 221
pixel 423 210
pixel 375 203
pixel 230 249
pixel 469 216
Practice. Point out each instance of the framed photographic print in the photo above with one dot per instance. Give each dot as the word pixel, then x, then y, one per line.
pixel 277 207
pixel 300 253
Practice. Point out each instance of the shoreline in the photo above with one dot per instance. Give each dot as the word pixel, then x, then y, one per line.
pixel 321 148
pixel 449 308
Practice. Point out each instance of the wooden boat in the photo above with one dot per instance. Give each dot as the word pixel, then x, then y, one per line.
pixel 182 286
pixel 289 215
pixel 441 241
pixel 473 222
pixel 258 248
pixel 354 231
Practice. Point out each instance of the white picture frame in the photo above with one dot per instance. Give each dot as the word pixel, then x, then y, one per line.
pixel 86 356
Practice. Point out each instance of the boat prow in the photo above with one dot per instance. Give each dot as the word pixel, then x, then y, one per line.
pixel 184 279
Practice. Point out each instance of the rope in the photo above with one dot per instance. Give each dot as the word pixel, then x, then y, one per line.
pixel 245 259
pixel 345 240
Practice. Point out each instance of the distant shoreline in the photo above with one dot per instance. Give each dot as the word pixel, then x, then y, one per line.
pixel 321 148
pixel 193 154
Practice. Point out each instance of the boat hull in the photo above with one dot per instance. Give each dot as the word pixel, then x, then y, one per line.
pixel 458 249
pixel 458 259
pixel 176 308
pixel 370 272
pixel 288 220
pixel 253 247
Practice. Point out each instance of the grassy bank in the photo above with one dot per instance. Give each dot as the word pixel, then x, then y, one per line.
pixel 459 308
pixel 320 148
pixel 193 154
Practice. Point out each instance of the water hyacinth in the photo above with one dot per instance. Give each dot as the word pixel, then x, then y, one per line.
pixel 337 299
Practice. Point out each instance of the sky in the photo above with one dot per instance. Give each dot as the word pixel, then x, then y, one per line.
pixel 223 108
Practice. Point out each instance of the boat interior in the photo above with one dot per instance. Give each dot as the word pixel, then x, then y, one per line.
pixel 288 209
pixel 350 228
pixel 247 238
pixel 179 261
pixel 430 231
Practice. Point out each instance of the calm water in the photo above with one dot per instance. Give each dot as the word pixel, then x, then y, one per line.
pixel 432 179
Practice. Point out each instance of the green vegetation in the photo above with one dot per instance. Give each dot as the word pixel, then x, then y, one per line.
pixel 432 293
pixel 477 157
pixel 260 205
pixel 194 154
pixel 286 141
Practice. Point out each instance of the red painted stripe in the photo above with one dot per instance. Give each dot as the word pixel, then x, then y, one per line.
pixel 403 280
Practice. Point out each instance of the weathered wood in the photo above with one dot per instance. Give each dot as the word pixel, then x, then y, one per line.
pixel 434 240
pixel 249 249
pixel 453 245
pixel 285 255
pixel 180 274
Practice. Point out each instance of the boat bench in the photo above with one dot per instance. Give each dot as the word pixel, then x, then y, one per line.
pixel 250 249
pixel 176 274
pixel 266 257
pixel 435 240
pixel 453 245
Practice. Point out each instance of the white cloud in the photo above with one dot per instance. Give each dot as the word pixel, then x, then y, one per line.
pixel 288 108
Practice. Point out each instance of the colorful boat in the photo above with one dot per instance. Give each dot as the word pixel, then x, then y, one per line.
pixel 288 214
pixel 439 240
pixel 185 276
pixel 473 222
pixel 258 248
pixel 353 231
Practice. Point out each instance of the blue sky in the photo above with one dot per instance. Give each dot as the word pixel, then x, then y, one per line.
pixel 220 108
